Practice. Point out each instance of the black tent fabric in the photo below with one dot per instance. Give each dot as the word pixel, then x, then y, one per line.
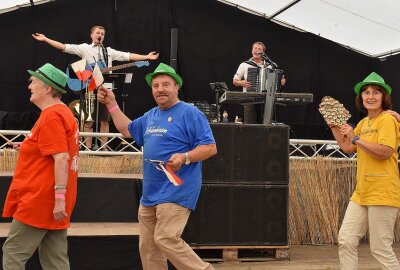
pixel 213 39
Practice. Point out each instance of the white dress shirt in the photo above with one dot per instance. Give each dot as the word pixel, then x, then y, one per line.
pixel 93 53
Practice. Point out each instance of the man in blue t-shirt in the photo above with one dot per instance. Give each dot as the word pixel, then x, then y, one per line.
pixel 178 136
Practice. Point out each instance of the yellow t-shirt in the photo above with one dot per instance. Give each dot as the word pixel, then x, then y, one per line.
pixel 378 181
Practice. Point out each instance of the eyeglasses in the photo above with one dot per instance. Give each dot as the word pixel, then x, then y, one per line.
pixel 370 93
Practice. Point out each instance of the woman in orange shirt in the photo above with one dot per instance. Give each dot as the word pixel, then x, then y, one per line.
pixel 43 190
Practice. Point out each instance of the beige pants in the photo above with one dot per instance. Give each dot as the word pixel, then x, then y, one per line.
pixel 22 242
pixel 380 220
pixel 161 227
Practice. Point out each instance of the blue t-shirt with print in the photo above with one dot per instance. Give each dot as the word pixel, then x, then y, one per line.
pixel 178 129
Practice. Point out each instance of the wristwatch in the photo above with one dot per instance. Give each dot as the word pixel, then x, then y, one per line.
pixel 356 138
pixel 60 187
pixel 187 160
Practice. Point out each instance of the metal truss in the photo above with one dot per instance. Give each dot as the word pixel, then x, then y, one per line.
pixel 313 148
pixel 116 144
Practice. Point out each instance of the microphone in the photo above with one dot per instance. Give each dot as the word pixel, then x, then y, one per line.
pixel 268 60
pixel 100 43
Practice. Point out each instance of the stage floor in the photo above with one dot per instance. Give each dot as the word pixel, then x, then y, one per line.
pixel 309 258
pixel 121 252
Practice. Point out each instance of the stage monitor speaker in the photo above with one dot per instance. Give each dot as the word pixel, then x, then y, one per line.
pixel 5 182
pixel 88 207
pixel 239 215
pixel 257 154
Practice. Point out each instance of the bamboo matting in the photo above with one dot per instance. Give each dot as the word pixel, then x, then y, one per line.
pixel 319 192
pixel 127 164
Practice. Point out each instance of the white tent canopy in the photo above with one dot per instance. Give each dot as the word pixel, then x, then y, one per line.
pixel 370 27
pixel 9 5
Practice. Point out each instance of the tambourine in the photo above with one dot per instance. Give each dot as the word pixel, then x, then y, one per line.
pixel 333 112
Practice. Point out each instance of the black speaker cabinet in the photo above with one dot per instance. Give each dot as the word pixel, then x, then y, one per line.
pixel 239 215
pixel 248 153
pixel 99 199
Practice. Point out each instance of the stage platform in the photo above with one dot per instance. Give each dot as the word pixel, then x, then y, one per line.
pixel 121 253
pixel 104 233
pixel 92 229
pixel 323 257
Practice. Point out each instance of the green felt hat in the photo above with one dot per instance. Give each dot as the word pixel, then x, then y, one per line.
pixel 51 76
pixel 373 78
pixel 164 69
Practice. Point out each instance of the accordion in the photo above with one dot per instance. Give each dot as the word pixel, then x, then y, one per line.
pixel 262 79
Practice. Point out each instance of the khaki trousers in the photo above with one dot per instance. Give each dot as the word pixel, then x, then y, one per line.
pixel 23 240
pixel 161 227
pixel 380 220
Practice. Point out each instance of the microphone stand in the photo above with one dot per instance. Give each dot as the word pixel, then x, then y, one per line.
pixel 105 55
pixel 95 146
pixel 269 61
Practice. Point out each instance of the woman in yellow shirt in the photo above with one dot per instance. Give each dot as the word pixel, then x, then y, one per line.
pixel 376 199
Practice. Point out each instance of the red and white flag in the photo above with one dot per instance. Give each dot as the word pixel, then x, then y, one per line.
pixel 82 69
pixel 97 78
pixel 173 178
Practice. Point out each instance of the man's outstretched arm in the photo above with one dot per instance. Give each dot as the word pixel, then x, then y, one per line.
pixel 58 45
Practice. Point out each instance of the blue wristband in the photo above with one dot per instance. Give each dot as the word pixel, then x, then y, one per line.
pixel 356 138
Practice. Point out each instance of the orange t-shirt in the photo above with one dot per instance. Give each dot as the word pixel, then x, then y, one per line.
pixel 30 198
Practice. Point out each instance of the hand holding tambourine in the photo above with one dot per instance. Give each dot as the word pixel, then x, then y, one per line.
pixel 333 112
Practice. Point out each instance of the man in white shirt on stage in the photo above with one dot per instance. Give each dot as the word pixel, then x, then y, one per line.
pixel 96 53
